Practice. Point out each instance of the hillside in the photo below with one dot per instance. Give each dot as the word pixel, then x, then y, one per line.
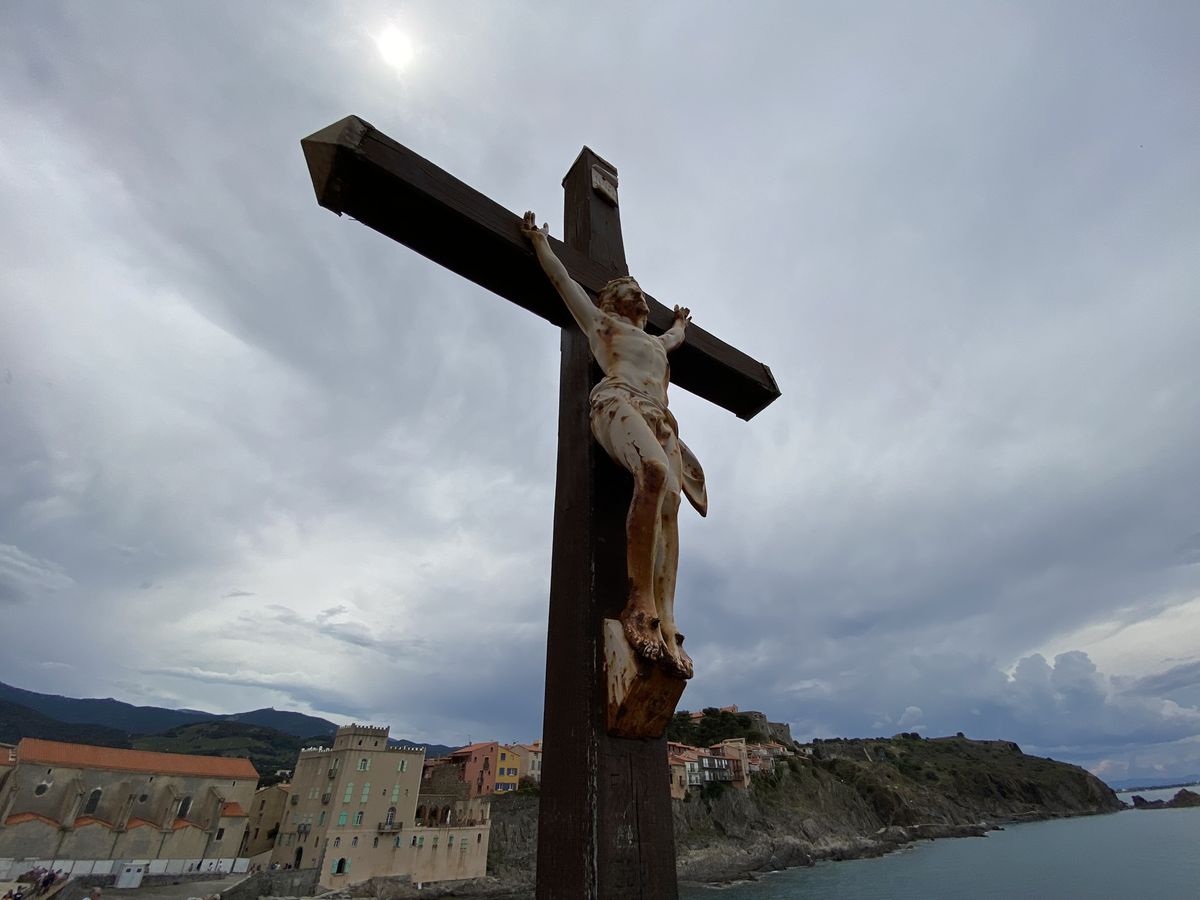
pixel 267 748
pixel 18 721
pixel 861 798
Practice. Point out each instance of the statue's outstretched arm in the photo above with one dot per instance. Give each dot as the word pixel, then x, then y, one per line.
pixel 673 336
pixel 576 298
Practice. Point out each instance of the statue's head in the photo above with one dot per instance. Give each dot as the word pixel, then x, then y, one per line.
pixel 623 297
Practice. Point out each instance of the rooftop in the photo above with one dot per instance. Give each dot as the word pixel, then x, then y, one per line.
pixel 85 756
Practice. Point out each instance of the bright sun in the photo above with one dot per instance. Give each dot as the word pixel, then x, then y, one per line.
pixel 395 47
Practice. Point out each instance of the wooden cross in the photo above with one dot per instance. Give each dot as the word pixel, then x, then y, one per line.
pixel 605 827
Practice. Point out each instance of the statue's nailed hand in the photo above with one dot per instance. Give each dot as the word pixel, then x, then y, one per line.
pixel 529 228
pixel 683 316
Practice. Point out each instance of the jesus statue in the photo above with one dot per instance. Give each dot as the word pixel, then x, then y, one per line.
pixel 630 420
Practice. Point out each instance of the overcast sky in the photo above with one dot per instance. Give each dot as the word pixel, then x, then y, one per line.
pixel 253 454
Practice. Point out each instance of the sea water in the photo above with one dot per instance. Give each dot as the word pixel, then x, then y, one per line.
pixel 1131 854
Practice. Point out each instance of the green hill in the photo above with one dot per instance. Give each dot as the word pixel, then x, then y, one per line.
pixel 267 748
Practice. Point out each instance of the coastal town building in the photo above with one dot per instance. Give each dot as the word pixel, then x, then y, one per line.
pixel 531 757
pixel 80 802
pixel 479 764
pixel 356 811
pixel 508 770
pixel 267 810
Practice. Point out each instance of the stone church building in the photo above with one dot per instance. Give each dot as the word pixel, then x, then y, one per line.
pixel 75 801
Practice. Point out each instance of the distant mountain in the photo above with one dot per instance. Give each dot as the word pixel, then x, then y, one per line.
pixel 109 712
pixel 1149 784
pixel 111 720
pixel 18 722
pixel 156 719
pixel 293 723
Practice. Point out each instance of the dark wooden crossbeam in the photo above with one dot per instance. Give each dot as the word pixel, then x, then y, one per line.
pixel 359 171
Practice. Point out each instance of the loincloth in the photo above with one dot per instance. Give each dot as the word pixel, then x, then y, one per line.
pixel 607 396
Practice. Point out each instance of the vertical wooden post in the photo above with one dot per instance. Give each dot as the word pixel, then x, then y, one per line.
pixel 605 830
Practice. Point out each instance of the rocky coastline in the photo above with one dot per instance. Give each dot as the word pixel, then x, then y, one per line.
pixel 853 799
pixel 1182 800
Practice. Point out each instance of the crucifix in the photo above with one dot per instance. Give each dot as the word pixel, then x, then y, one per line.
pixel 604 829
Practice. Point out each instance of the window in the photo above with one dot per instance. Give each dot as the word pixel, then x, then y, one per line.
pixel 358 816
pixel 395 792
pixel 397 840
pixel 342 819
pixel 220 834
pixel 185 806
pixel 337 842
pixel 321 818
pixel 364 764
pixel 342 866
pixel 354 841
pixel 365 792
pixel 41 789
pixel 504 756
pixel 479 838
pixel 404 765
pixel 450 841
pixel 349 791
pixel 435 837
pixel 93 801
pixel 414 840
pixel 262 803
pixel 420 842
pixel 375 843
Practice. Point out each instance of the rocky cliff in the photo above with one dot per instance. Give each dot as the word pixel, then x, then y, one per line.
pixel 856 798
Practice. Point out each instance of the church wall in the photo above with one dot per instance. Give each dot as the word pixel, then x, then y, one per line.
pixel 97 826
pixel 32 838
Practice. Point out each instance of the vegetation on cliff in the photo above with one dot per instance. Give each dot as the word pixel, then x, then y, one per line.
pixel 711 727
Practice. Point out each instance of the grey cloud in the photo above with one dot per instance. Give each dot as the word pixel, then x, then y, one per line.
pixel 976 292
pixel 24 577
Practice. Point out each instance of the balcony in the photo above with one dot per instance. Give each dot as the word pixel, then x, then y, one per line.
pixel 325 798
pixel 389 827
pixel 304 828
pixel 333 773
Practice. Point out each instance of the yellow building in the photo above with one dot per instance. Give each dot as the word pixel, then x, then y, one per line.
pixel 508 769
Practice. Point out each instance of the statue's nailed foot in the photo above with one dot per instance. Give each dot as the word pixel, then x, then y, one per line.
pixel 679 663
pixel 642 632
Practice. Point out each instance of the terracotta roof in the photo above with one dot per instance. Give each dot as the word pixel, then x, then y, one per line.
pixel 471 748
pixel 138 823
pixel 233 809
pixel 18 818
pixel 91 820
pixel 85 756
